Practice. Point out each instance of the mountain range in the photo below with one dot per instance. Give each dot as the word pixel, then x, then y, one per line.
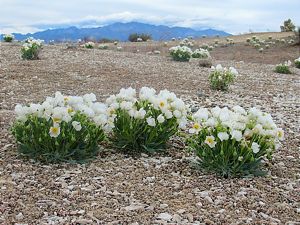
pixel 119 31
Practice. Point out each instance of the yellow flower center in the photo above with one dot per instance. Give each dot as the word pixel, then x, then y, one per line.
pixel 210 140
pixel 56 120
pixel 161 104
pixel 54 130
pixel 196 126
pixel 70 110
pixel 66 99
pixel 111 111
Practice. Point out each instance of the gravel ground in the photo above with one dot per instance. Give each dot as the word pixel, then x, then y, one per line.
pixel 116 189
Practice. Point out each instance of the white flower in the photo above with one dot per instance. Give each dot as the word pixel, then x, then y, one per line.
pixel 210 140
pixel 239 109
pixel 140 114
pixel 201 114
pixel 89 97
pixel 255 147
pixel 177 113
pixel 168 114
pixel 195 128
pixel 233 71
pixel 146 93
pixel 237 135
pixel 161 118
pixel 219 68
pixel 223 136
pixel 280 134
pixel 54 130
pixel 76 125
pixel 151 121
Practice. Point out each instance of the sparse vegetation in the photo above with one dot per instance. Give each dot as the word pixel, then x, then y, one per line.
pixel 139 37
pixel 283 68
pixel 220 78
pixel 31 49
pixel 287 26
pixel 181 53
pixel 8 37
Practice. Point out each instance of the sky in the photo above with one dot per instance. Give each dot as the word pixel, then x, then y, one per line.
pixel 233 16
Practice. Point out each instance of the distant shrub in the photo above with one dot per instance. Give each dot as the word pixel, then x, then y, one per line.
pixel 297 63
pixel 267 46
pixel 270 37
pixel 103 46
pixel 135 37
pixel 119 48
pixel 186 42
pixel 261 50
pixel 181 53
pixel 283 68
pixel 204 46
pixel 8 37
pixel 106 40
pixel 248 40
pixel 31 49
pixel 200 53
pixel 89 45
pixel 287 26
pixel 220 78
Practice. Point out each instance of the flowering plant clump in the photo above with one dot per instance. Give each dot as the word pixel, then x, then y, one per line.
pixel 145 123
pixel 31 48
pixel 186 42
pixel 201 53
pixel 61 129
pixel 8 37
pixel 181 53
pixel 89 45
pixel 233 142
pixel 103 46
pixel 297 62
pixel 220 78
pixel 283 67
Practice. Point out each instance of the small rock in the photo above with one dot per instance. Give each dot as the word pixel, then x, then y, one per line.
pixel 19 216
pixel 164 216
pixel 208 199
pixel 162 206
pixel 181 211
pixel 177 218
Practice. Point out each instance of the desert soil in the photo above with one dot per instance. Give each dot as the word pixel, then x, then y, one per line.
pixel 161 189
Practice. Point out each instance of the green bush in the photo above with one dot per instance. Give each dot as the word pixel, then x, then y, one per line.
pixel 232 143
pixel 287 26
pixel 201 53
pixel 283 68
pixel 56 131
pixel 181 53
pixel 135 37
pixel 297 63
pixel 103 46
pixel 8 37
pixel 220 78
pixel 145 124
pixel 89 45
pixel 31 49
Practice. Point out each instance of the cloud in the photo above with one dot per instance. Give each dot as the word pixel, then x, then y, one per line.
pixel 230 15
